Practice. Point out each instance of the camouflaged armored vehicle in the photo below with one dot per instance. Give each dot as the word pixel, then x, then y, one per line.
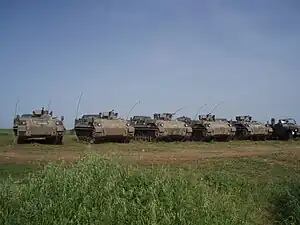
pixel 246 128
pixel 143 129
pixel 185 119
pixel 285 129
pixel 40 125
pixel 208 127
pixel 161 127
pixel 105 126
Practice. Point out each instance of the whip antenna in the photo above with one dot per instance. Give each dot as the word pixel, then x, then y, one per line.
pixel 49 104
pixel 198 111
pixel 216 107
pixel 78 104
pixel 179 110
pixel 138 102
pixel 16 107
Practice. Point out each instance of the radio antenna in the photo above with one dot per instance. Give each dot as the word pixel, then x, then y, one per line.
pixel 216 107
pixel 198 111
pixel 138 102
pixel 49 104
pixel 16 107
pixel 179 110
pixel 79 100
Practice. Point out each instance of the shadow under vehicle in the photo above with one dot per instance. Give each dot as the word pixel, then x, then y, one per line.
pixel 40 125
pixel 161 127
pixel 208 128
pixel 285 129
pixel 247 129
pixel 105 126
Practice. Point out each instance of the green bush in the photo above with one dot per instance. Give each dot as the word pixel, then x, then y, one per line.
pixel 97 191
pixel 286 203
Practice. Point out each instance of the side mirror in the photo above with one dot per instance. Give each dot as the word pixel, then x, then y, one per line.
pixel 62 118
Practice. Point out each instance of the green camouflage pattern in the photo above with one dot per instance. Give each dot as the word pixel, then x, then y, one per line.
pixel 208 127
pixel 246 128
pixel 40 125
pixel 105 126
pixel 161 127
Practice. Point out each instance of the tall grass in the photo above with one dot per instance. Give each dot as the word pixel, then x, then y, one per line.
pixel 98 191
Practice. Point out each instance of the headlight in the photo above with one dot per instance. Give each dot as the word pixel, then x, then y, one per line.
pixel 127 124
pixel 207 125
pixel 229 125
pixel 186 125
pixel 161 124
pixel 98 124
pixel 23 122
pixel 296 130
pixel 58 123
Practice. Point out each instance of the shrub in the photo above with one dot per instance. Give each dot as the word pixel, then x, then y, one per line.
pixel 97 191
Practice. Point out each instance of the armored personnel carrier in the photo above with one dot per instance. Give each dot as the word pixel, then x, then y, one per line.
pixel 246 128
pixel 208 127
pixel 142 127
pixel 105 126
pixel 161 127
pixel 185 119
pixel 40 125
pixel 285 129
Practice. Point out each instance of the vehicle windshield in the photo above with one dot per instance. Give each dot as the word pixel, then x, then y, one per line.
pixel 222 119
pixel 288 121
pixel 26 115
pixel 90 116
pixel 163 116
pixel 256 122
pixel 141 117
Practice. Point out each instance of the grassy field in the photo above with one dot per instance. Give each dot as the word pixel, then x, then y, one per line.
pixel 240 182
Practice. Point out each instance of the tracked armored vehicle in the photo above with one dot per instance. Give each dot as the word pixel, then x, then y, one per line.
pixel 285 129
pixel 161 127
pixel 208 127
pixel 143 129
pixel 246 128
pixel 105 126
pixel 40 125
pixel 185 119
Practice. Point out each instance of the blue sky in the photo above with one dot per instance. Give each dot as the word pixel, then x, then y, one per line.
pixel 167 54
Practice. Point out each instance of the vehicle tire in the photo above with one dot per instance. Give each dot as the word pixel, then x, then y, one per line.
pixel 127 140
pixel 263 138
pixel 19 140
pixel 228 138
pixel 58 140
pixel 245 135
pixel 289 136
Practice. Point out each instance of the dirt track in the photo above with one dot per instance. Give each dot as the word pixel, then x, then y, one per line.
pixel 141 155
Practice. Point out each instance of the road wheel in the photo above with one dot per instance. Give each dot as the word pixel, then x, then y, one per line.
pixel 92 139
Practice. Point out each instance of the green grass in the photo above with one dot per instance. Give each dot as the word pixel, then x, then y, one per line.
pixel 99 191
pixel 16 171
pixel 258 189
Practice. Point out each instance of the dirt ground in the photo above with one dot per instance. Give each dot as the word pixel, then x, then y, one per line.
pixel 148 153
